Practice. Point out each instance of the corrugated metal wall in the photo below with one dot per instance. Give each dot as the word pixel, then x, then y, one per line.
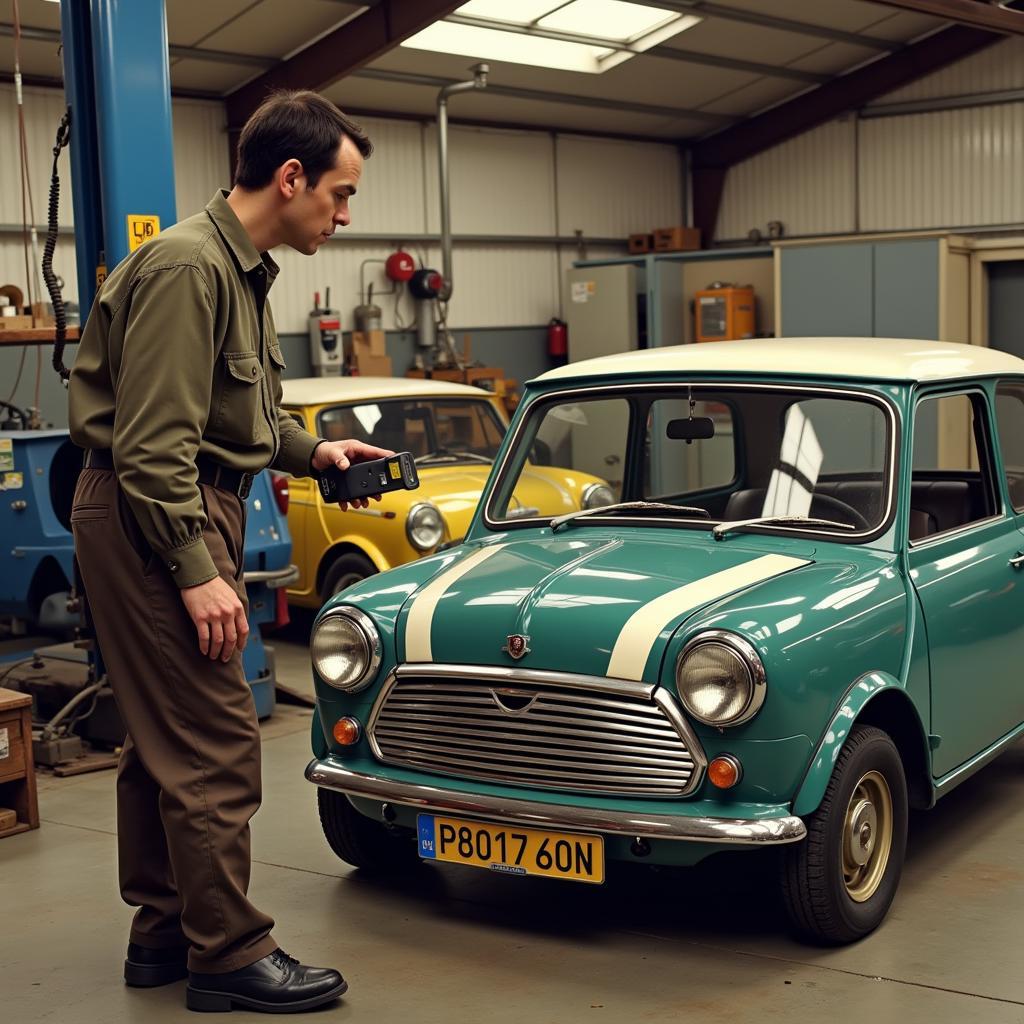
pixel 958 167
pixel 504 184
pixel 777 186
pixel 945 169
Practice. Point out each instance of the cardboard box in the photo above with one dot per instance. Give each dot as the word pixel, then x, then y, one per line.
pixel 372 342
pixel 641 243
pixel 373 366
pixel 678 239
pixel 15 323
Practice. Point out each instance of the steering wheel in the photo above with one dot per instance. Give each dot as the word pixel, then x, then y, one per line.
pixel 840 511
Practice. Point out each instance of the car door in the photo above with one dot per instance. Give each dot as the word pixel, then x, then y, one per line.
pixel 962 547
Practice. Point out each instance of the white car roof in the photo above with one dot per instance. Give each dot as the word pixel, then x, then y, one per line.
pixel 321 390
pixel 863 358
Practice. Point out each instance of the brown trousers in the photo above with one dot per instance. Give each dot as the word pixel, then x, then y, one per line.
pixel 189 777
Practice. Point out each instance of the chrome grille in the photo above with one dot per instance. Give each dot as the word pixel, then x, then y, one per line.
pixel 542 729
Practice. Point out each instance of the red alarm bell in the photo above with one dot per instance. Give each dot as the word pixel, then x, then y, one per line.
pixel 399 266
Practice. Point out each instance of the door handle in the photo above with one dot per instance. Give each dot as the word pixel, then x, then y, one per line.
pixel 1018 560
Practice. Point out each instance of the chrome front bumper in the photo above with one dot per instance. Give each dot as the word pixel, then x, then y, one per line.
pixel 562 817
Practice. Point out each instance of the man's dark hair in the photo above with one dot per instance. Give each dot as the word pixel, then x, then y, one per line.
pixel 299 125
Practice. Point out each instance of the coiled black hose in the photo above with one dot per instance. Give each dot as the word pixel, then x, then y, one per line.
pixel 52 285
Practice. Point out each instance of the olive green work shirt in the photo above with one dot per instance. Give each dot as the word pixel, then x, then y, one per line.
pixel 180 358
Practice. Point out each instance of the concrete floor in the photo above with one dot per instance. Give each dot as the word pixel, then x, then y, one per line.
pixel 458 946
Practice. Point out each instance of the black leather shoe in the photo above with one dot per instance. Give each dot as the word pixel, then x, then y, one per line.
pixel 147 968
pixel 276 984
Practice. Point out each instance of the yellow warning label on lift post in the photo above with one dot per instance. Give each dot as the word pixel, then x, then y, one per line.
pixel 141 228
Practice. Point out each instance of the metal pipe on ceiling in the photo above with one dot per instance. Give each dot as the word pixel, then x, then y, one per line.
pixel 478 81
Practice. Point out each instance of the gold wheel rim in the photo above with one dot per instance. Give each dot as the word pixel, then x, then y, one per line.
pixel 867 837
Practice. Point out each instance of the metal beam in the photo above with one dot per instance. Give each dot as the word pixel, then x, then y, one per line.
pixel 803 28
pixel 339 53
pixel 967 12
pixel 667 52
pixel 721 151
pixel 941 103
pixel 434 82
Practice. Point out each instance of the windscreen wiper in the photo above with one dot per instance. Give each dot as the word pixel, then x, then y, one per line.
pixel 446 455
pixel 627 506
pixel 722 529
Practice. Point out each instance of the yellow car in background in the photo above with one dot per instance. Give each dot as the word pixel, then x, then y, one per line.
pixel 453 432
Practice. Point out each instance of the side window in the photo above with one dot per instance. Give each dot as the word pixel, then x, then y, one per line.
pixel 951 482
pixel 1010 423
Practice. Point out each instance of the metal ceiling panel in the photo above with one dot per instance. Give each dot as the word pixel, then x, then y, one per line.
pixel 845 15
pixel 902 26
pixel 835 58
pixel 747 42
pixel 205 76
pixel 763 93
pixel 37 58
pixel 188 21
pixel 36 14
pixel 275 29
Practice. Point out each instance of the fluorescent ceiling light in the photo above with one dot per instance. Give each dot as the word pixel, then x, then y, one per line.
pixel 621 25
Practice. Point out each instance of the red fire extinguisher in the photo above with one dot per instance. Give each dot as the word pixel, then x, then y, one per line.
pixel 558 340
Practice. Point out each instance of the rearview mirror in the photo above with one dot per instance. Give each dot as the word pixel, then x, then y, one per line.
pixel 697 428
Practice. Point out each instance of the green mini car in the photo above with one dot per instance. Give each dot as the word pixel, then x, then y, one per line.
pixel 799 614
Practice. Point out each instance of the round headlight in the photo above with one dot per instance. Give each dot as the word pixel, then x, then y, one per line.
pixel 424 527
pixel 345 648
pixel 597 496
pixel 720 679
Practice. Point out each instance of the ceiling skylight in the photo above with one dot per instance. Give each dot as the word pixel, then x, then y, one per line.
pixel 611 19
pixel 582 35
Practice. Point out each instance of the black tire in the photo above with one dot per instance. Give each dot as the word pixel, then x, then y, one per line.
pixel 346 570
pixel 359 840
pixel 832 901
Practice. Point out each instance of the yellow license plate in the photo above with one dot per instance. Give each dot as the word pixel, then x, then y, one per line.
pixel 510 849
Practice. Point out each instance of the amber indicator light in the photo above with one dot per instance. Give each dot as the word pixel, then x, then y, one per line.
pixel 724 772
pixel 346 731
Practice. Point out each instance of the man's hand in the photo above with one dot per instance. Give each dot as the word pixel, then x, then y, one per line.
pixel 219 618
pixel 342 454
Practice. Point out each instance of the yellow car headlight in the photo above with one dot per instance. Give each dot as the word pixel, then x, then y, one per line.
pixel 597 496
pixel 721 679
pixel 345 649
pixel 424 526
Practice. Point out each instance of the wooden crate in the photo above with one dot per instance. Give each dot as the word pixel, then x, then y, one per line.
pixel 676 239
pixel 17 771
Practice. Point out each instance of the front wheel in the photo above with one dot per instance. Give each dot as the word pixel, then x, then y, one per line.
pixel 346 570
pixel 839 882
pixel 361 841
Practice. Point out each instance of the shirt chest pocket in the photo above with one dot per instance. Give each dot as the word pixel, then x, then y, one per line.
pixel 241 397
